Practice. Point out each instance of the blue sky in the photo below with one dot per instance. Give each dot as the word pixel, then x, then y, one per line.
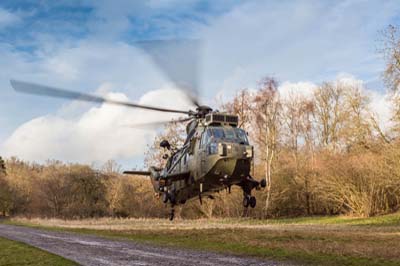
pixel 89 46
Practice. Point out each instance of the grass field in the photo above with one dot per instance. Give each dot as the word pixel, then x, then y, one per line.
pixel 316 240
pixel 18 254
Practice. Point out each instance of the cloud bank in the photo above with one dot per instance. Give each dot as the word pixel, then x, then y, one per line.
pixel 98 134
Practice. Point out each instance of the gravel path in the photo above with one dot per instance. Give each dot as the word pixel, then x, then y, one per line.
pixel 92 250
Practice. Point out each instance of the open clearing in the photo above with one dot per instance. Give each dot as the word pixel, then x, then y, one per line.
pixel 99 251
pixel 320 240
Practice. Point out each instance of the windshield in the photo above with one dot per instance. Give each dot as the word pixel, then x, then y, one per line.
pixel 242 135
pixel 228 133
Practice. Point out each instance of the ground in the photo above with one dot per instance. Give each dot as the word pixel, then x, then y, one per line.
pixel 99 251
pixel 14 253
pixel 317 240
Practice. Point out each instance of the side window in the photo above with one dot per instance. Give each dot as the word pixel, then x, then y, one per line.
pixel 242 136
pixel 203 139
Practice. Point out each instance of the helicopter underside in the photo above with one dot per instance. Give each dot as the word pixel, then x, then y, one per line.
pixel 225 173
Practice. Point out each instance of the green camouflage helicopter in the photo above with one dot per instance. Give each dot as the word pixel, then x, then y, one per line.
pixel 216 154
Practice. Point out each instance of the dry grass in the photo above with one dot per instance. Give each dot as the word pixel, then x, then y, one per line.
pixel 308 240
pixel 16 253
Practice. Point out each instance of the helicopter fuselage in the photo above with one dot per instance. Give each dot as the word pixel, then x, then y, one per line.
pixel 216 156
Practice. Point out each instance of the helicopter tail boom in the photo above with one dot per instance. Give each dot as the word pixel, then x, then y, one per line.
pixel 144 173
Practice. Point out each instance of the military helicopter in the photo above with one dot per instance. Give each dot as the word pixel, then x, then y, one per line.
pixel 216 154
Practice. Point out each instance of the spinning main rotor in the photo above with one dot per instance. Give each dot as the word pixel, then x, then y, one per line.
pixel 176 58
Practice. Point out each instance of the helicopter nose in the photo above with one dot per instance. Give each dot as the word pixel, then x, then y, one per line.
pixel 234 160
pixel 235 150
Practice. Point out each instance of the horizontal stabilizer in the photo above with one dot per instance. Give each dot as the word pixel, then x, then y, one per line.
pixel 146 173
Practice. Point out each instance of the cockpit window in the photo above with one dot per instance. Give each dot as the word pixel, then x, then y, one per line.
pixel 217 132
pixel 241 134
pixel 228 133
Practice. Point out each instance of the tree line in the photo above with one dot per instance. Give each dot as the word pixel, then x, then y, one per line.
pixel 324 153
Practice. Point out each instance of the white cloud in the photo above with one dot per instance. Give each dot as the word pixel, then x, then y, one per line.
pixel 381 106
pixel 303 88
pixel 99 134
pixel 347 79
pixel 380 103
pixel 7 18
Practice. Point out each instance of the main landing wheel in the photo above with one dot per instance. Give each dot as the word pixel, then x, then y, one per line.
pixel 171 215
pixel 252 201
pixel 246 201
pixel 263 183
pixel 165 197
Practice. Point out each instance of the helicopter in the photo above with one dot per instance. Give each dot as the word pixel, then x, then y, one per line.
pixel 216 154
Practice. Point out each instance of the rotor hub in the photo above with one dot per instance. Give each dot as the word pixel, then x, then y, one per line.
pixel 203 110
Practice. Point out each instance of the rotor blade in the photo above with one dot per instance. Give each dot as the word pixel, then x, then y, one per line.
pixel 144 173
pixel 179 60
pixel 36 89
pixel 158 123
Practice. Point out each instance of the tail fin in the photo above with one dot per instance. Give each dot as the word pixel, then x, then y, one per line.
pixel 153 173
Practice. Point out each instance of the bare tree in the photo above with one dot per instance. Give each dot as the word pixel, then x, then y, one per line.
pixel 111 167
pixel 297 118
pixel 266 112
pixel 329 113
pixel 391 53
pixel 292 113
pixel 55 188
pixel 358 125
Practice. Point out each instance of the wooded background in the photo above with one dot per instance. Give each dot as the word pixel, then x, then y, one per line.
pixel 322 154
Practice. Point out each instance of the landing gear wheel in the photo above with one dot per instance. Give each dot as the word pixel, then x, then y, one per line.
pixel 172 198
pixel 164 197
pixel 252 201
pixel 246 201
pixel 263 183
pixel 171 215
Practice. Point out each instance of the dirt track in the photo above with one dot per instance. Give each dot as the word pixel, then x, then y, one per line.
pixel 92 250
